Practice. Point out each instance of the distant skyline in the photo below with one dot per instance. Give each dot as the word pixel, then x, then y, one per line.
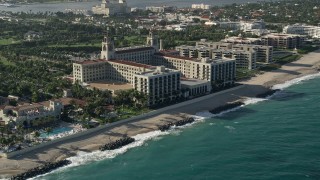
pixel 55 7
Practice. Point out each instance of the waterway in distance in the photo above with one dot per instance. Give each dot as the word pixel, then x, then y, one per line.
pixel 56 7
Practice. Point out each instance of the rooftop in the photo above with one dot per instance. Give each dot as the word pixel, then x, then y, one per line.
pixel 132 49
pixel 212 61
pixel 169 51
pixel 130 63
pixel 27 107
pixel 161 70
pixel 278 35
pixel 192 82
pixel 240 39
pixel 179 57
pixel 68 101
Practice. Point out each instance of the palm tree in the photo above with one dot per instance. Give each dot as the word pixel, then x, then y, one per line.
pixel 48 130
pixel 99 111
pixel 20 130
pixel 2 131
pixel 3 140
pixel 37 134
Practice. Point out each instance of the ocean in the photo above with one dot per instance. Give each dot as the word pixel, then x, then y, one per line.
pixel 55 7
pixel 266 139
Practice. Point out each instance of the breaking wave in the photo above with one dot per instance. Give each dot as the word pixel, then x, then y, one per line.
pixel 84 157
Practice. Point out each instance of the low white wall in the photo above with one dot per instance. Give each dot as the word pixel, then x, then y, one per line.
pixel 3 155
pixel 111 125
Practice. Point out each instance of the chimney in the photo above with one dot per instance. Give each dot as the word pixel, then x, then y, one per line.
pixel 161 69
pixel 161 44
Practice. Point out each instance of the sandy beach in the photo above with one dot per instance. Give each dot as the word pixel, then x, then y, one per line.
pixel 308 64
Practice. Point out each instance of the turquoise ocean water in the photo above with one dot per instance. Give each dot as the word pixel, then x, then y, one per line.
pixel 277 138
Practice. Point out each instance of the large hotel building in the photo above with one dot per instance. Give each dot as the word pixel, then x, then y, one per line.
pixel 160 74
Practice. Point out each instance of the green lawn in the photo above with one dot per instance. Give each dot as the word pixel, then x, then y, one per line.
pixel 288 59
pixel 8 41
pixel 77 45
pixel 128 112
pixel 6 62
pixel 245 73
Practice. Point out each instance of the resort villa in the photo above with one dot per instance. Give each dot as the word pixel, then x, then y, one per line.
pixel 31 114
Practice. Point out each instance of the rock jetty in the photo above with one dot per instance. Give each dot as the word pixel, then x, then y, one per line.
pixel 226 107
pixel 268 93
pixel 167 126
pixel 117 144
pixel 41 170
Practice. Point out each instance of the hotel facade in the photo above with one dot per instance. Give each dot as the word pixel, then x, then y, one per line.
pixel 153 72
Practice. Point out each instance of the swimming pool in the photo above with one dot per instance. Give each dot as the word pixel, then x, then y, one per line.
pixel 55 131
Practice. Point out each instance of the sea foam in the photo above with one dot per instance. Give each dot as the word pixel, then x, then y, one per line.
pixel 295 81
pixel 84 158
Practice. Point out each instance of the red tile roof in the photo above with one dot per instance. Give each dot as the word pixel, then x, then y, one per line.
pixel 177 57
pixel 131 63
pixel 67 101
pixel 91 61
pixel 133 50
pixel 169 51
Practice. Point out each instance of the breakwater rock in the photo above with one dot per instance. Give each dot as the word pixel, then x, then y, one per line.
pixel 268 93
pixel 117 144
pixel 41 170
pixel 167 126
pixel 226 107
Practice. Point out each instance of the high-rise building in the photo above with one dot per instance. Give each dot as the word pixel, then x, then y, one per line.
pixel 111 7
pixel 200 6
pixel 220 72
pixel 283 41
pixel 302 29
pixel 264 53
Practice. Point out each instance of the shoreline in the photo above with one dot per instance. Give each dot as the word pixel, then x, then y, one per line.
pixel 55 2
pixel 306 65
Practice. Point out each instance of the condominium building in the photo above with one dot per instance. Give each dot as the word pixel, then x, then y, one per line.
pixel 240 40
pixel 264 53
pixel 160 9
pixel 230 25
pixel 302 29
pixel 243 25
pixel 246 55
pixel 218 71
pixel 244 59
pixel 283 41
pixel 200 6
pixel 111 7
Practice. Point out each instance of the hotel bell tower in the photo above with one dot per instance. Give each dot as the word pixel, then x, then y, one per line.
pixel 152 40
pixel 107 51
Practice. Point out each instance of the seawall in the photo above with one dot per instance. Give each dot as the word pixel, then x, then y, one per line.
pixel 87 133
